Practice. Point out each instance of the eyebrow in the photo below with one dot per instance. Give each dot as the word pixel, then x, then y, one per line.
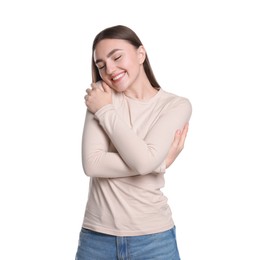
pixel 109 54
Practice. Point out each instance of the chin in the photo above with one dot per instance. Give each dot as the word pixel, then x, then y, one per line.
pixel 119 89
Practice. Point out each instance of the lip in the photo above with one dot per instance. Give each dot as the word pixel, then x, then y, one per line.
pixel 118 76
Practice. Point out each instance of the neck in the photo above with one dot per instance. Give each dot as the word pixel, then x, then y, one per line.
pixel 142 90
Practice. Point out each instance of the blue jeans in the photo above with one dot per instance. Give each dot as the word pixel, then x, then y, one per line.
pixel 98 246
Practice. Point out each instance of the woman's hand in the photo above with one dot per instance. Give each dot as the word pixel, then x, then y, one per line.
pixel 177 145
pixel 99 95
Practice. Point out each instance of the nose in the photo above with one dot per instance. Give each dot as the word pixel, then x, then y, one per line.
pixel 110 67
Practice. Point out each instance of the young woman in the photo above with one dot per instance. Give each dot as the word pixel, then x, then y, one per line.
pixel 133 132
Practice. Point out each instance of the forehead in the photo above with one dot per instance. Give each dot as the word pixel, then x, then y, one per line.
pixel 104 47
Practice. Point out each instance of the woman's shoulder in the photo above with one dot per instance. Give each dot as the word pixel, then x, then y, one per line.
pixel 173 99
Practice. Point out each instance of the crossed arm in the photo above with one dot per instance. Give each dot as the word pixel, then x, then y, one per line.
pixel 133 156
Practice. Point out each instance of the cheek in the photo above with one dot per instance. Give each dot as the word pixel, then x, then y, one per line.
pixel 105 77
pixel 128 64
pixel 102 74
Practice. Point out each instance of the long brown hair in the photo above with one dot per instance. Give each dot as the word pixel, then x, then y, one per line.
pixel 123 33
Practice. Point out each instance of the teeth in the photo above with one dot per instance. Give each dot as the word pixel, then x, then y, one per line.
pixel 118 76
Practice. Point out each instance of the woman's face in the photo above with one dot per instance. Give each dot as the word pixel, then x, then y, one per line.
pixel 119 63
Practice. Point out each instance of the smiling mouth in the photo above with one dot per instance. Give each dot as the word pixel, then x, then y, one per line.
pixel 119 76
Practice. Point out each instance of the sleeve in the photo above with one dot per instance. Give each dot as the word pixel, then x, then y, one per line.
pixel 97 160
pixel 143 156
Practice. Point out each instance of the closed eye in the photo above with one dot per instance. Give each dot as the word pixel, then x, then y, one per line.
pixel 102 67
pixel 117 58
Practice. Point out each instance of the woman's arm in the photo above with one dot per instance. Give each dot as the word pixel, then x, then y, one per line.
pixel 145 155
pixel 98 161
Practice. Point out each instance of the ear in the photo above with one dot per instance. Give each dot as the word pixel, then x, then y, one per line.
pixel 141 54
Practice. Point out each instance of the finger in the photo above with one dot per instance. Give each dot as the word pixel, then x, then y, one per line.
pixel 93 85
pixel 185 130
pixel 183 136
pixel 106 87
pixel 88 91
pixel 97 85
pixel 176 138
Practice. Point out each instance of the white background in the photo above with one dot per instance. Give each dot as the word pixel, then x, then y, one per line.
pixel 203 50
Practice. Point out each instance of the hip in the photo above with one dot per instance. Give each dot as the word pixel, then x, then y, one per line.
pixel 159 246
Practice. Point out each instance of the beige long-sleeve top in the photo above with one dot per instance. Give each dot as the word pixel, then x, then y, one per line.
pixel 124 147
